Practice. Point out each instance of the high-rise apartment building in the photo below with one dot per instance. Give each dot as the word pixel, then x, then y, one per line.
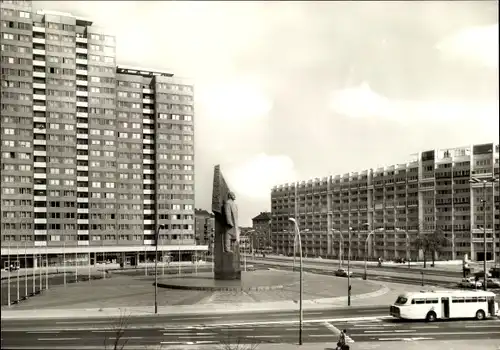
pixel 94 156
pixel 431 192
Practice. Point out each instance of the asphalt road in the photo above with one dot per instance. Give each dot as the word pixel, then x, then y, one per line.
pixel 182 321
pixel 313 332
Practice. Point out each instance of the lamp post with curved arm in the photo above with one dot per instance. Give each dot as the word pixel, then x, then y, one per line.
pixel 341 246
pixel 301 316
pixel 366 248
pixel 294 248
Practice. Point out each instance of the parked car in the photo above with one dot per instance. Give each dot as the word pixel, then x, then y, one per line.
pixel 470 282
pixel 480 274
pixel 400 260
pixel 342 273
pixel 493 283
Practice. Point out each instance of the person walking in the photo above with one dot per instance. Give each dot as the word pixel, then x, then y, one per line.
pixel 341 344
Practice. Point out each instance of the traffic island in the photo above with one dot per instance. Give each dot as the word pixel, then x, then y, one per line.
pixel 263 280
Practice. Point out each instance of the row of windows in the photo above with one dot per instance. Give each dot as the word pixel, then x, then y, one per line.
pixel 172 106
pixel 16 155
pixel 16 84
pixel 100 37
pixel 14 227
pixel 103 90
pixel 102 80
pixel 15 13
pixel 12 143
pixel 184 98
pixel 103 48
pixel 16 60
pixel 57 37
pixel 175 117
pixel 17 214
pixel 185 88
pixel 15 48
pixel 102 100
pixel 20 37
pixel 101 69
pixel 98 58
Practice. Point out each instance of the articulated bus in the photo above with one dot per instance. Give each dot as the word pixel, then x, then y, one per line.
pixel 432 305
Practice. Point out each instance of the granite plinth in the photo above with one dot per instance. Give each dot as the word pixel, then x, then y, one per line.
pixel 261 280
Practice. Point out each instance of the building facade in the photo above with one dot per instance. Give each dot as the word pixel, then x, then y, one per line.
pixel 431 192
pixel 261 225
pixel 95 156
pixel 204 227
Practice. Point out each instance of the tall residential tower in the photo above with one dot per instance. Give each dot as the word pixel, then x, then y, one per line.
pixel 94 156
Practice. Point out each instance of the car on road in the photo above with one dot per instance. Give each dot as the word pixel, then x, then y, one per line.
pixel 470 282
pixel 342 273
pixel 493 283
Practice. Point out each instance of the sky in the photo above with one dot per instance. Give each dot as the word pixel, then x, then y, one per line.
pixel 288 91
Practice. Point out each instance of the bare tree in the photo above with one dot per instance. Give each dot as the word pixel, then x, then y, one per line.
pixel 238 343
pixel 118 330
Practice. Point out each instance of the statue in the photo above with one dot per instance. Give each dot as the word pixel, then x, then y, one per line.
pixel 232 234
pixel 227 234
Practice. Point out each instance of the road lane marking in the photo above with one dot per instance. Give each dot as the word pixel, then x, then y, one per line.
pixel 405 339
pixel 79 322
pixel 60 339
pixel 171 342
pixel 44 332
pixel 196 318
pixel 433 334
pixel 404 330
pixel 483 326
pixel 104 331
pixel 263 336
pixel 321 335
pixel 308 328
pixel 297 321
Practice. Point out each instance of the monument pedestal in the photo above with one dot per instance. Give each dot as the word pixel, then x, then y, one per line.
pixel 228 267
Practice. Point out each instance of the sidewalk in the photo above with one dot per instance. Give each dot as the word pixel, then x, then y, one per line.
pixel 485 344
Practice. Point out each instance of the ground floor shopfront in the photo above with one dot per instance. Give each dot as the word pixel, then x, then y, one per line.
pixel 79 256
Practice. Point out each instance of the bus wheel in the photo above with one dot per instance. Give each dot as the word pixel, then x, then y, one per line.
pixel 480 315
pixel 431 317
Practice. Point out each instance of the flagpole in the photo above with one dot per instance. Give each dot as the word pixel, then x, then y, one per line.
pixel 34 270
pixel 41 272
pixel 18 267
pixel 25 271
pixel 46 267
pixel 8 276
pixel 76 267
pixel 104 269
pixel 89 267
pixel 64 260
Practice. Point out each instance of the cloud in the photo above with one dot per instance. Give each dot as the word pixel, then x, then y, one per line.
pixel 363 102
pixel 255 177
pixel 474 44
pixel 236 100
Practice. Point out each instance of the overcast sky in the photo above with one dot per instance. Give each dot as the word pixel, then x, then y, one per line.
pixel 295 90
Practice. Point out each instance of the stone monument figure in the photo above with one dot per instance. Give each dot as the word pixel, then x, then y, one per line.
pixel 232 234
pixel 227 235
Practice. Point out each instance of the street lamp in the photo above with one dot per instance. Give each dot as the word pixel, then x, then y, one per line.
pixel 341 246
pixel 294 246
pixel 156 266
pixel 301 316
pixel 366 248
pixel 349 268
pixel 483 201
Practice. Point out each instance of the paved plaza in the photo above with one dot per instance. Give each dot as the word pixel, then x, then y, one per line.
pixel 137 291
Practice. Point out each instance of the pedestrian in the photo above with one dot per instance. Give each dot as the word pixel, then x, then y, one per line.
pixel 341 344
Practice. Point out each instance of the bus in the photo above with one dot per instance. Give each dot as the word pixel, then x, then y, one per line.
pixel 444 305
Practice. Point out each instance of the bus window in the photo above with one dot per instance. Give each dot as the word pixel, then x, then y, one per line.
pixel 458 300
pixel 431 301
pixel 418 301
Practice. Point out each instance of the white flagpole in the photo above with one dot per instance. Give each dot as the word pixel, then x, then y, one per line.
pixel 17 267
pixel 104 269
pixel 34 270
pixel 64 260
pixel 41 271
pixel 46 267
pixel 25 271
pixel 89 268
pixel 8 276
pixel 76 267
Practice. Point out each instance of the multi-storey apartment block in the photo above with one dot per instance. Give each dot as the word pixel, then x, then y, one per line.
pixel 94 157
pixel 397 203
